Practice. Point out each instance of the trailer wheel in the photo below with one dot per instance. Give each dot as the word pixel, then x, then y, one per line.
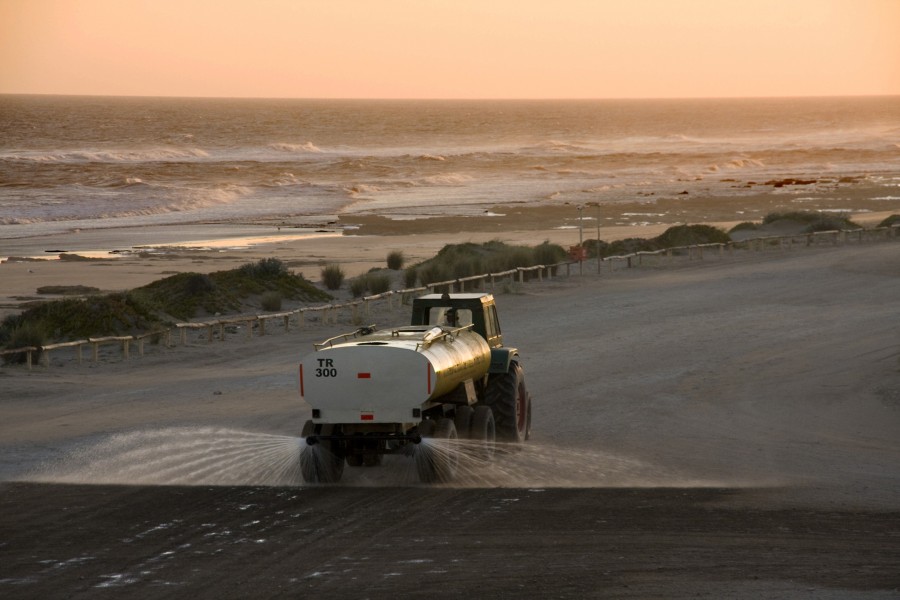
pixel 484 431
pixel 373 452
pixel 322 462
pixel 437 463
pixel 463 421
pixel 508 398
pixel 354 459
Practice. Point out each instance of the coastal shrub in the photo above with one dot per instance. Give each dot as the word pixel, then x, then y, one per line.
pixel 332 276
pixel 371 283
pixel 630 246
pixel 7 326
pixel 890 221
pixel 797 215
pixel 395 260
pixel 78 318
pixel 67 290
pixel 596 248
pixel 23 336
pixel 378 283
pixel 689 235
pixel 467 266
pixel 269 274
pixel 182 295
pixel 510 257
pixel 829 223
pixel 432 272
pixel 358 286
pixel 179 296
pixel 196 283
pixel 266 268
pixel 744 226
pixel 549 254
pixel 815 221
pixel 270 301
pixel 410 277
pixel 456 261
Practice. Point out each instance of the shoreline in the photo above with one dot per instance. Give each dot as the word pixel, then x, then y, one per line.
pixel 115 259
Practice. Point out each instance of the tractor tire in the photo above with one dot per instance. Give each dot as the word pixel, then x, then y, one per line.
pixel 463 421
pixel 528 429
pixel 324 461
pixel 437 463
pixel 484 431
pixel 508 398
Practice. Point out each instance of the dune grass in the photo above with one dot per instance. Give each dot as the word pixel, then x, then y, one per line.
pixel 455 261
pixel 179 297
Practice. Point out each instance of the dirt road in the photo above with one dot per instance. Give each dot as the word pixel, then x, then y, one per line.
pixel 352 542
pixel 729 428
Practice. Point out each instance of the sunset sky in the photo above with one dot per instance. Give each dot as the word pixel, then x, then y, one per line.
pixel 450 49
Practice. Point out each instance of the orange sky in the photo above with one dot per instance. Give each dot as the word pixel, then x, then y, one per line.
pixel 450 48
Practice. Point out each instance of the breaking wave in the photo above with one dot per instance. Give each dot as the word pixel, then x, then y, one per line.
pixel 447 179
pixel 133 202
pixel 109 156
pixel 306 148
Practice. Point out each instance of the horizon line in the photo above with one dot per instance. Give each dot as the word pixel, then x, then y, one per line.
pixel 452 99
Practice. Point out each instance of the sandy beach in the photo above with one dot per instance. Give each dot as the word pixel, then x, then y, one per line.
pixel 725 427
pixel 127 257
pixel 692 413
pixel 149 253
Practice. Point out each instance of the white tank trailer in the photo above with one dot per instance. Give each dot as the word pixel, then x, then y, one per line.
pixel 446 376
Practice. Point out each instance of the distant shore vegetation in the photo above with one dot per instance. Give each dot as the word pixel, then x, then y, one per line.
pixel 810 222
pixel 266 283
pixel 156 305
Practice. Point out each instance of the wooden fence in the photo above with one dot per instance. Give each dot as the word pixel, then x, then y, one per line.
pixel 357 309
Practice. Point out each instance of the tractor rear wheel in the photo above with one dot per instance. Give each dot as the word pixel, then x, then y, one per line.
pixel 508 398
pixel 463 421
pixel 484 431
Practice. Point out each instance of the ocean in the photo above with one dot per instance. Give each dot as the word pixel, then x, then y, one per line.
pixel 92 162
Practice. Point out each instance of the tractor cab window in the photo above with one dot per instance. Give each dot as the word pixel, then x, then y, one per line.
pixel 492 325
pixel 449 317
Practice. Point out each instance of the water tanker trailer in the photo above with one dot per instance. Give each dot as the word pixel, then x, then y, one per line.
pixel 443 378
